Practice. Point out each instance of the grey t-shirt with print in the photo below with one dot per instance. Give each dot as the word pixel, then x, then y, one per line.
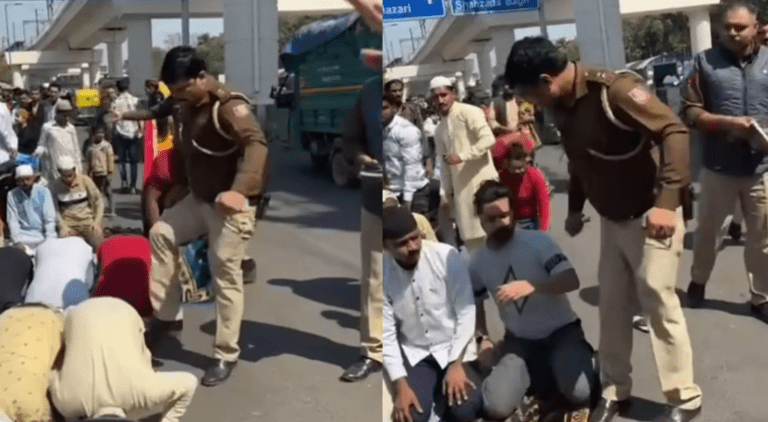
pixel 533 256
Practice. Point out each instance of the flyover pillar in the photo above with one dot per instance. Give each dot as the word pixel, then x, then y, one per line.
pixel 140 61
pixel 700 29
pixel 19 77
pixel 115 58
pixel 502 44
pixel 484 64
pixel 85 75
pixel 251 49
pixel 599 33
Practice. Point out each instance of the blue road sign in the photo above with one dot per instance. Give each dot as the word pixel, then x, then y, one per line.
pixel 406 10
pixel 474 7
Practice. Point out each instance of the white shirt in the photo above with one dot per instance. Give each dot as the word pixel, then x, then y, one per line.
pixel 55 142
pixel 428 310
pixel 124 103
pixel 402 158
pixel 64 273
pixel 8 136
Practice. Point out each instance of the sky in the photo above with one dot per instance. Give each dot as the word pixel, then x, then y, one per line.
pixel 394 32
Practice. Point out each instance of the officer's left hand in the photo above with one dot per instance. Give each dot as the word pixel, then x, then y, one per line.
pixel 230 202
pixel 660 223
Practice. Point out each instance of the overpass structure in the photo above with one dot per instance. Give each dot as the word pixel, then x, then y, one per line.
pixel 250 34
pixel 487 39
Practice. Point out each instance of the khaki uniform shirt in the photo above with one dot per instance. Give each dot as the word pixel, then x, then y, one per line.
pixel 630 160
pixel 80 204
pixel 213 160
pixel 101 159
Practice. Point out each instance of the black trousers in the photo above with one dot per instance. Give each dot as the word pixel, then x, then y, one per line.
pixel 16 270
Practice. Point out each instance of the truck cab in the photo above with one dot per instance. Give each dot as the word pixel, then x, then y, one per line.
pixel 323 77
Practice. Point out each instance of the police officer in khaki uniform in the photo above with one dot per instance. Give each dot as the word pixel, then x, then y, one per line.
pixel 629 156
pixel 222 158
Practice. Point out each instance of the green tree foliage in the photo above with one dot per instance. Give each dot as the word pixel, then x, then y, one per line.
pixel 287 27
pixel 5 72
pixel 649 36
pixel 570 47
pixel 211 49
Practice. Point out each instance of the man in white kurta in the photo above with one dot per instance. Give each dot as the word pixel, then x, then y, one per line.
pixel 463 140
pixel 9 142
pixel 58 139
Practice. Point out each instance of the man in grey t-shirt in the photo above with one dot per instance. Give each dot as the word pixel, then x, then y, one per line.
pixel 544 351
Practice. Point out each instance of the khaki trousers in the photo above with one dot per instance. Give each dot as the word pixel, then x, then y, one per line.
pixel 719 193
pixel 169 393
pixel 228 238
pixel 86 231
pixel 633 267
pixel 371 288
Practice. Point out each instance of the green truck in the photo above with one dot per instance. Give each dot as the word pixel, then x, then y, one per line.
pixel 323 78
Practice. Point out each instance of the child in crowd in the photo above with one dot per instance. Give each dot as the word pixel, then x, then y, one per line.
pixel 101 164
pixel 532 208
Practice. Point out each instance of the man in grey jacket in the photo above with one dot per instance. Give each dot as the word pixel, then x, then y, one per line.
pixel 727 88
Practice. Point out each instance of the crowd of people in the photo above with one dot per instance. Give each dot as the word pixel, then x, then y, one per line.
pixel 628 156
pixel 62 276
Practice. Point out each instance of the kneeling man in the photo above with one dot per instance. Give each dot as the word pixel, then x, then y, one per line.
pixel 544 350
pixel 429 319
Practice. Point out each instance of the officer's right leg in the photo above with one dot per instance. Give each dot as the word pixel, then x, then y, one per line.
pixel 178 225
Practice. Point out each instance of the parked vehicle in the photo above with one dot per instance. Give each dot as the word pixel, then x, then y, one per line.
pixel 324 77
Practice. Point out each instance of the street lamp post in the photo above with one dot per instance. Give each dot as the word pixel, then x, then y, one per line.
pixel 7 29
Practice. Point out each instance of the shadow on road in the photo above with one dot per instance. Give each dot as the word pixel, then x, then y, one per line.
pixel 259 341
pixel 344 319
pixel 292 174
pixel 129 210
pixel 644 410
pixel 733 308
pixel 591 296
pixel 338 292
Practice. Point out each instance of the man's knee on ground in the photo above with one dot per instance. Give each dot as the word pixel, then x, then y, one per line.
pixel 505 387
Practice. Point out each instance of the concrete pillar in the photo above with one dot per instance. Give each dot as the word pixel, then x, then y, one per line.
pixel 406 91
pixel 599 33
pixel 140 63
pixel 461 86
pixel 19 77
pixel 93 72
pixel 502 42
pixel 251 49
pixel 85 75
pixel 484 64
pixel 115 58
pixel 700 28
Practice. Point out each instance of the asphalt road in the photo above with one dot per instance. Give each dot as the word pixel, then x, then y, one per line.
pixel 300 328
pixel 729 345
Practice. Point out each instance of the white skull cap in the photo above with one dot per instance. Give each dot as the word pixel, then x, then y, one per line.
pixel 439 82
pixel 24 170
pixel 66 163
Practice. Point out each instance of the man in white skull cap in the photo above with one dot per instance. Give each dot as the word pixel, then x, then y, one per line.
pixel 80 205
pixel 463 141
pixel 30 211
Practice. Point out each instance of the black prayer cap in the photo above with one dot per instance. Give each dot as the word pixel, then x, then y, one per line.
pixel 398 223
